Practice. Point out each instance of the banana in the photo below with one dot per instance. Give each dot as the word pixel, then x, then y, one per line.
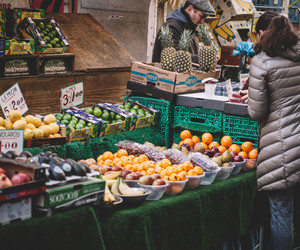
pixel 111 176
pixel 115 187
pixel 110 182
pixel 126 190
pixel 108 196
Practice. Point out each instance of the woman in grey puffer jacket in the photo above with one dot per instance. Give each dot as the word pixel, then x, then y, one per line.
pixel 274 100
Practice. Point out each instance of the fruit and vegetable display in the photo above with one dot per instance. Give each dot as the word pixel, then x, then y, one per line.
pixel 34 127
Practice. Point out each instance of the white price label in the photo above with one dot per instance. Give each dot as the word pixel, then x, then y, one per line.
pixel 243 79
pixel 72 96
pixel 12 139
pixel 13 99
pixel 229 88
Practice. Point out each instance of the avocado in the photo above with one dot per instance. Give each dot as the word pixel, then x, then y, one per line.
pixel 79 169
pixel 87 168
pixel 56 173
pixel 67 168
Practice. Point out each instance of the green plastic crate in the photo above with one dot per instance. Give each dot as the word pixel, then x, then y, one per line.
pixel 241 129
pixel 199 117
pixel 164 107
pixel 166 132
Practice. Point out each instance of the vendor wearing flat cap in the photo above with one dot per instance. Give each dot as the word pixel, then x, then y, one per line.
pixel 189 16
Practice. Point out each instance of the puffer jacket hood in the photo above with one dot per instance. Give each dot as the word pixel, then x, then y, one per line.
pixel 274 100
pixel 177 14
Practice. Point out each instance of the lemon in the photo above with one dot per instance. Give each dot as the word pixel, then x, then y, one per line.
pixel 51 136
pixel 57 135
pixel 8 124
pixel 46 129
pixel 14 115
pixel 37 122
pixel 38 133
pixel 2 121
pixel 19 124
pixel 49 119
pixel 54 128
pixel 30 126
pixel 30 119
pixel 1 127
pixel 28 134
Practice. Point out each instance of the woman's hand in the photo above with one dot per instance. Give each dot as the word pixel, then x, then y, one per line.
pixel 244 94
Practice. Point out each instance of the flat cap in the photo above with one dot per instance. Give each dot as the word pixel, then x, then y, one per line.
pixel 204 6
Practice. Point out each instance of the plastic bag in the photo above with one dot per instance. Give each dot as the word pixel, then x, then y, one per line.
pixel 132 148
pixel 203 161
pixel 176 156
pixel 152 152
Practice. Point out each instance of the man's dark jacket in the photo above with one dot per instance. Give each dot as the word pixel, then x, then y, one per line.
pixel 178 20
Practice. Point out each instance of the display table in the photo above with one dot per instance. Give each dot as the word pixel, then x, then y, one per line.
pixel 195 219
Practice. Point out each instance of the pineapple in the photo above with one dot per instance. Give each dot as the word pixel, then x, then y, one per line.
pixel 183 60
pixel 168 53
pixel 207 55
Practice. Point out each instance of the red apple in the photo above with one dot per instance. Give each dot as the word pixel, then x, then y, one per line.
pixel 4 181
pixel 91 161
pixel 116 168
pixel 155 176
pixel 146 180
pixel 125 172
pixel 238 158
pixel 158 182
pixel 139 174
pixel 215 150
pixel 103 169
pixel 20 178
pixel 234 153
pixel 131 176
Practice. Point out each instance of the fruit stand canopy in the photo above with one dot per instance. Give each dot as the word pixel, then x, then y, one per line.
pixel 93 46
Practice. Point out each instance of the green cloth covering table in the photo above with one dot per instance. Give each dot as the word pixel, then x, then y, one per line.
pixel 195 219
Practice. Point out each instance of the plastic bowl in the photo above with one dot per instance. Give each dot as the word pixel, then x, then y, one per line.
pixel 111 206
pixel 175 187
pixel 238 167
pixel 132 183
pixel 193 181
pixel 250 164
pixel 210 177
pixel 156 191
pixel 135 200
pixel 225 172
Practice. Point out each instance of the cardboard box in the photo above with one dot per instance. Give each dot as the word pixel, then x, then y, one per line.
pixel 30 29
pixel 35 171
pixel 232 10
pixel 68 195
pixel 169 81
pixel 227 57
pixel 15 210
pixel 2 47
pixel 19 47
pixel 2 23
pixel 233 32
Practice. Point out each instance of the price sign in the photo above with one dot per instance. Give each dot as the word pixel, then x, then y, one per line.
pixel 229 88
pixel 12 99
pixel 72 96
pixel 243 79
pixel 11 139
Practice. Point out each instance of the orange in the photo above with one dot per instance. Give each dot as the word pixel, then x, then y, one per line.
pixel 143 158
pixel 150 171
pixel 158 169
pixel 185 134
pixel 234 147
pixel 226 141
pixel 171 170
pixel 188 141
pixel 108 162
pixel 99 158
pixel 174 177
pixel 205 145
pixel 107 155
pixel 198 170
pixel 195 139
pixel 222 149
pixel 166 178
pixel 187 165
pixel 164 163
pixel 99 163
pixel 131 157
pixel 213 144
pixel 182 175
pixel 136 160
pixel 122 152
pixel 140 168
pixel 180 143
pixel 192 172
pixel 179 168
pixel 115 155
pixel 247 146
pixel 207 138
pixel 163 173
pixel 252 154
pixel 243 154
pixel 117 162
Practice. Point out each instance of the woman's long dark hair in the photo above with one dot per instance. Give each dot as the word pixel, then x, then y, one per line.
pixel 279 36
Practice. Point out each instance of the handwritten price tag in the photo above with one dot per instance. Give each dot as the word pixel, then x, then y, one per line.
pixel 229 88
pixel 12 99
pixel 11 139
pixel 72 96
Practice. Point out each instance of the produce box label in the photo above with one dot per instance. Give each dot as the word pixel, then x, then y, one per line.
pixel 15 47
pixel 72 96
pixel 16 67
pixel 12 99
pixel 11 139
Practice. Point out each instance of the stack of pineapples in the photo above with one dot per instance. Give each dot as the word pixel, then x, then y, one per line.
pixel 180 61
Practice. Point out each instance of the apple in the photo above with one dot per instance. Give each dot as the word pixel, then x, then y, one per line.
pixel 20 178
pixel 215 150
pixel 146 180
pixel 155 176
pixel 125 172
pixel 209 153
pixel 4 181
pixel 238 158
pixel 131 177
pixel 234 153
pixel 139 174
pixel 158 182
pixel 91 161
pixel 116 168
pixel 103 169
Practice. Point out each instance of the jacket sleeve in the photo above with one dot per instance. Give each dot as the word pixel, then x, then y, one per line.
pixel 258 98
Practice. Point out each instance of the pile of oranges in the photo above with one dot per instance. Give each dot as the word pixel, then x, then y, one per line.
pixel 246 150
pixel 143 165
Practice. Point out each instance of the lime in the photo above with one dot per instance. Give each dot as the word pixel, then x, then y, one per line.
pixel 46 38
pixel 97 113
pixel 59 116
pixel 47 30
pixel 105 116
pixel 136 107
pixel 112 115
pixel 41 24
pixel 49 45
pixel 52 43
pixel 127 109
pixel 133 111
pixel 79 126
pixel 81 121
pixel 119 117
pixel 121 106
pixel 56 39
pixel 113 121
pixel 89 110
pixel 67 117
pixel 148 115
pixel 49 27
pixel 74 118
pixel 72 128
pixel 39 29
pixel 42 34
pixel 62 44
pixel 141 111
pixel 118 120
pixel 65 122
pixel 50 36
pixel 128 104
pixel 140 115
pixel 89 124
pixel 57 45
